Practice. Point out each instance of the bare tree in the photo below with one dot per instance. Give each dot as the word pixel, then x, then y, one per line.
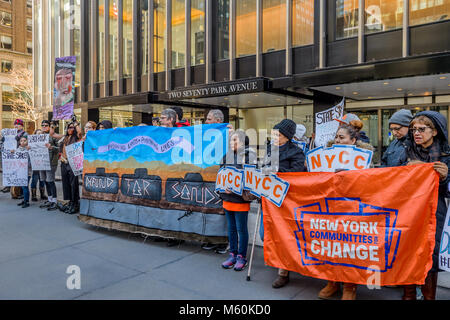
pixel 22 105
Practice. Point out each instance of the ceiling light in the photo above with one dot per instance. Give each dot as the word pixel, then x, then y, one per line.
pixel 385 83
pixel 399 89
pixel 338 88
pixel 442 78
pixel 369 97
pixel 355 93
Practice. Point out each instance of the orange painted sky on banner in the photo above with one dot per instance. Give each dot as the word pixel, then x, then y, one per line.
pixel 355 226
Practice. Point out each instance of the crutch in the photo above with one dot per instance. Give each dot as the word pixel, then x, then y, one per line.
pixel 258 217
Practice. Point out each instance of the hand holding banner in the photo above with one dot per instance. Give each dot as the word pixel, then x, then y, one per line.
pixel 15 168
pixel 75 156
pixel 326 125
pixel 10 142
pixel 338 157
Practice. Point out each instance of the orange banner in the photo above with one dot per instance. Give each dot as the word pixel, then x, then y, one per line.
pixel 373 226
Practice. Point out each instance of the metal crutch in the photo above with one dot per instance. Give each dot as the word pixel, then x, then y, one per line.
pixel 254 240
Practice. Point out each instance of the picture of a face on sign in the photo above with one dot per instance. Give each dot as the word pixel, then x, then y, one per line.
pixel 63 87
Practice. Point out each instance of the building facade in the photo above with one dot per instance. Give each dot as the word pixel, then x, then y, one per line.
pixel 258 60
pixel 16 53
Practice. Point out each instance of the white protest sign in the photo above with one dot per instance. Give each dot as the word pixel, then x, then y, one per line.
pixel 75 156
pixel 15 168
pixel 344 157
pixel 444 250
pixel 10 142
pixel 326 125
pixel 39 155
pixel 230 178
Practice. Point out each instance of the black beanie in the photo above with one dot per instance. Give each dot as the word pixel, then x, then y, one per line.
pixel 287 128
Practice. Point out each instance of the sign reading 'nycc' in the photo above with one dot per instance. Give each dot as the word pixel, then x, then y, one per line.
pixel 216 90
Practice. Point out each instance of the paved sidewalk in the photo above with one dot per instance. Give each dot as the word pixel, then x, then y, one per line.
pixel 37 247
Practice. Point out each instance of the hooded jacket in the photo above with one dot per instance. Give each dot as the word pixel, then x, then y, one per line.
pixel 440 124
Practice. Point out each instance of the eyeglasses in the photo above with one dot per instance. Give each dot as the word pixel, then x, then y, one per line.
pixel 395 129
pixel 419 130
pixel 70 128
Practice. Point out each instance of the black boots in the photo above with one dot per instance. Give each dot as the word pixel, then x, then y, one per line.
pixel 42 193
pixel 72 207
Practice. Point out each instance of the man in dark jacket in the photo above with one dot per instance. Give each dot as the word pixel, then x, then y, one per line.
pixel 395 155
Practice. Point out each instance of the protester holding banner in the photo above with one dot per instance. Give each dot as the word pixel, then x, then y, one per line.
pixel 35 177
pixel 237 207
pixel 48 176
pixel 395 154
pixel 429 137
pixel 346 135
pixel 291 159
pixel 23 147
pixel 71 187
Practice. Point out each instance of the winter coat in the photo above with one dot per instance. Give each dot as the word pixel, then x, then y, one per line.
pixel 243 156
pixel 363 137
pixel 395 154
pixel 53 151
pixel 441 212
pixel 291 158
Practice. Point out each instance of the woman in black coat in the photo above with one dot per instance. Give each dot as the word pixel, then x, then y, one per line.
pixel 429 143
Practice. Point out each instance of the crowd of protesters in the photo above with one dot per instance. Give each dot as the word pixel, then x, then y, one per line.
pixel 422 138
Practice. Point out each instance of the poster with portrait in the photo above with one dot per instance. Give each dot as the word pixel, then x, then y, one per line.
pixel 64 88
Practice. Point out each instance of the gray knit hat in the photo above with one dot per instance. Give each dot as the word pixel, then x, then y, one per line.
pixel 402 117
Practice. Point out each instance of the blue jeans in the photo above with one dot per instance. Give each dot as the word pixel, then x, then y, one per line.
pixel 237 231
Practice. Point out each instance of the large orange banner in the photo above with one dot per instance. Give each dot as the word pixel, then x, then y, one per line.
pixel 355 226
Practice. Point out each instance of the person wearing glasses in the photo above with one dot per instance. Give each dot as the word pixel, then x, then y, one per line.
pixel 89 126
pixel 48 176
pixel 429 144
pixel 395 154
pixel 168 118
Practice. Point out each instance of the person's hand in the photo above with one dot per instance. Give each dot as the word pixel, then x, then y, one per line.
pixel 48 145
pixel 441 169
pixel 28 147
pixel 12 151
pixel 228 191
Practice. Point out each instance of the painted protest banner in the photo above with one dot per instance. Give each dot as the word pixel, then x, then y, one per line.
pixel 326 125
pixel 15 168
pixel 156 180
pixel 75 156
pixel 444 252
pixel 10 142
pixel 64 88
pixel 343 157
pixel 39 155
pixel 345 227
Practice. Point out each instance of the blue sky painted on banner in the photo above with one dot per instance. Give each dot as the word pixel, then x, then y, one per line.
pixel 202 145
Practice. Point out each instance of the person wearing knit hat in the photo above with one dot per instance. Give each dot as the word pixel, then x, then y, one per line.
pixel 395 154
pixel 290 159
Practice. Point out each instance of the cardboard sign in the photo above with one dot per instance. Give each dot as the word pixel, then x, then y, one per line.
pixel 347 228
pixel 15 168
pixel 444 252
pixel 75 156
pixel 39 155
pixel 343 157
pixel 326 125
pixel 10 142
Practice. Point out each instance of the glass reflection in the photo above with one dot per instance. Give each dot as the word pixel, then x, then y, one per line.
pixel 245 27
pixel 178 34
pixel 302 22
pixel 197 32
pixel 274 25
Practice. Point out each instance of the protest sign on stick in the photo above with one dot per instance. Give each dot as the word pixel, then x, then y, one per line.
pixel 326 124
